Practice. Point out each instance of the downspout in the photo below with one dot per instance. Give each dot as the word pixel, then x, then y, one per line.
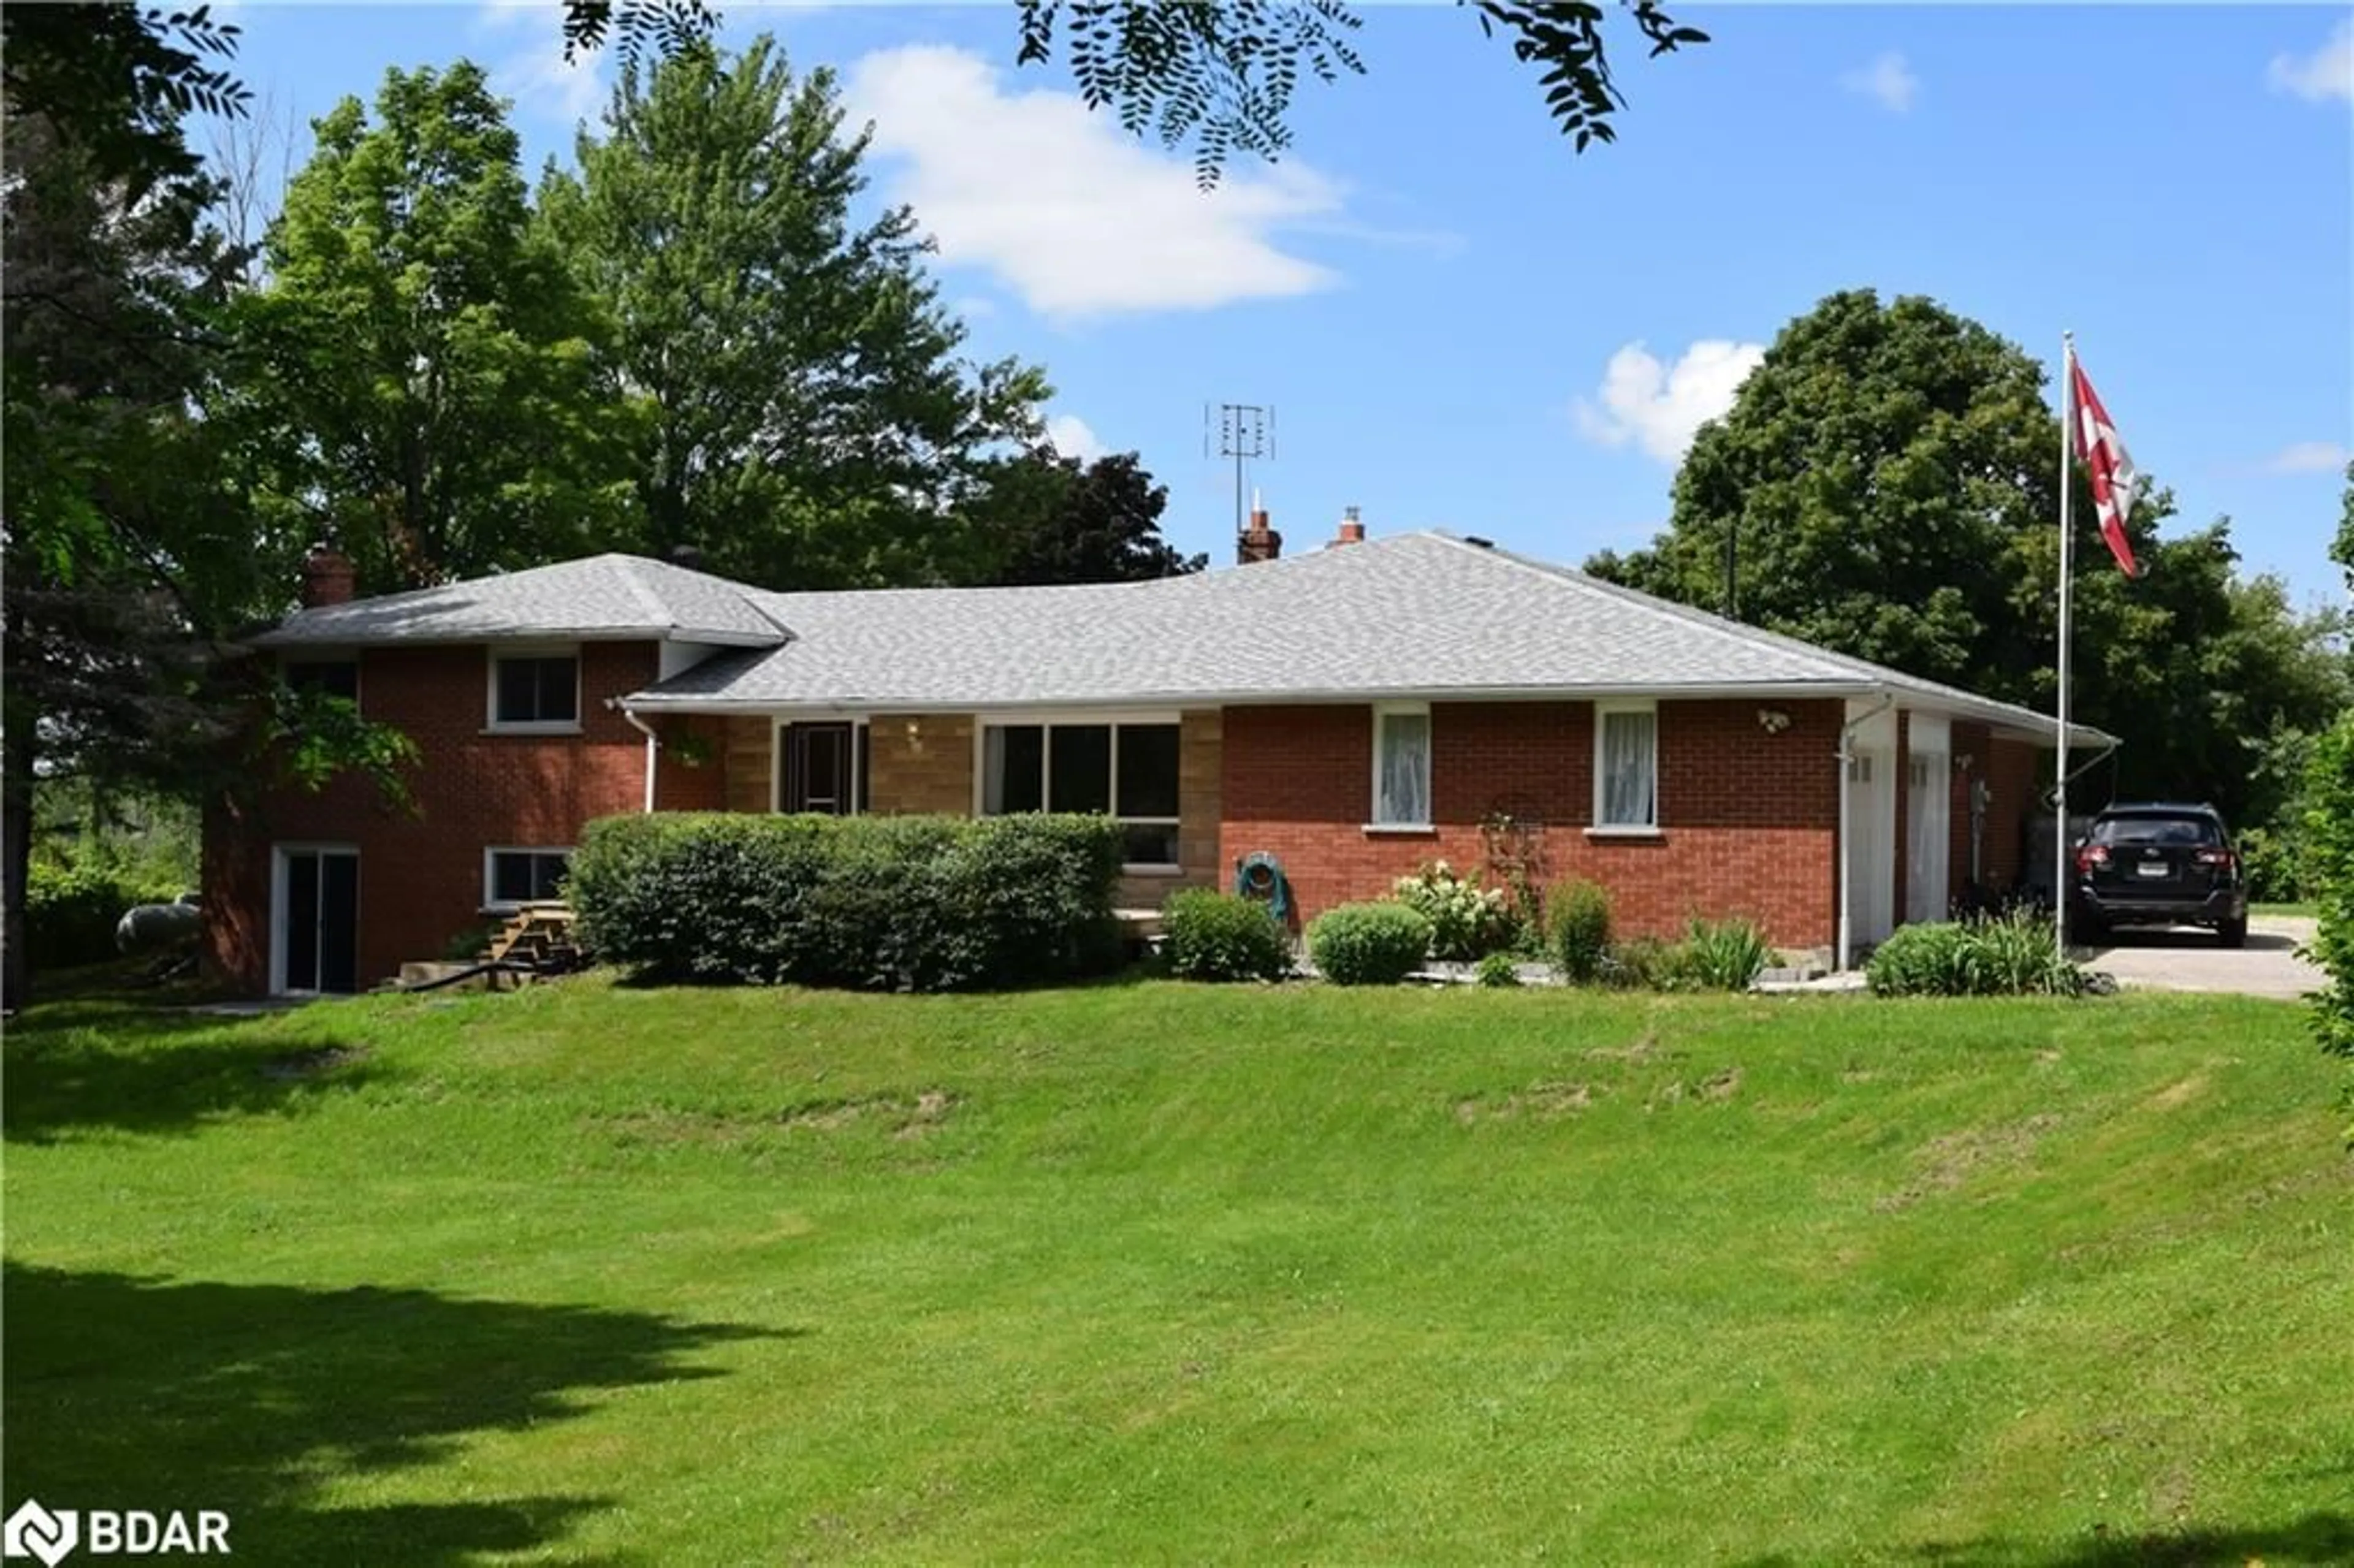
pixel 2052 797
pixel 1847 838
pixel 653 745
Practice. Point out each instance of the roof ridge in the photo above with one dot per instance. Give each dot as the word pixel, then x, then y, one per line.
pixel 643 592
pixel 1571 577
pixel 1831 658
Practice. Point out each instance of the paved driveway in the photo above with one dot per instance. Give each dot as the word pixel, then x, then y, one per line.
pixel 2188 959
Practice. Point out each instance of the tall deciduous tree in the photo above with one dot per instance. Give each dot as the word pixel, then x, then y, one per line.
pixel 419 381
pixel 1219 74
pixel 1056 519
pixel 114 528
pixel 1886 484
pixel 2342 549
pixel 807 420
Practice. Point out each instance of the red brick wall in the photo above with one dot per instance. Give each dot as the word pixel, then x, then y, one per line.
pixel 1748 819
pixel 421 879
pixel 2014 770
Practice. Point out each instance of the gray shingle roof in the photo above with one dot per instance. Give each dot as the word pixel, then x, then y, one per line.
pixel 1410 615
pixel 603 597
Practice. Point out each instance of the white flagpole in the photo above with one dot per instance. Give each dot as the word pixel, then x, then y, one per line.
pixel 2059 833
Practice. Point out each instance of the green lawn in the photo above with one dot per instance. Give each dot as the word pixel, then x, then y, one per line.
pixel 1144 1273
pixel 2307 910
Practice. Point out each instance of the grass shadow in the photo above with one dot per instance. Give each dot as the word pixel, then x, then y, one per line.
pixel 71 1069
pixel 2319 1539
pixel 126 1391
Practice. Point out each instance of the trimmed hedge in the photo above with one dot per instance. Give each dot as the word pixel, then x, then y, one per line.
pixel 1215 935
pixel 860 902
pixel 1368 944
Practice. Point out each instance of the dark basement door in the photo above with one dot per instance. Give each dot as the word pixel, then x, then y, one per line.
pixel 322 920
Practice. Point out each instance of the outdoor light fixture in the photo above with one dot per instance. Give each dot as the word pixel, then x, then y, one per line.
pixel 1773 721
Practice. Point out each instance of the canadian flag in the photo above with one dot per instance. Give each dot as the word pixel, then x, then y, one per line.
pixel 2111 467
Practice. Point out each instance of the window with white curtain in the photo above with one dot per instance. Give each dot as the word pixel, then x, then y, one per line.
pixel 1627 767
pixel 1402 767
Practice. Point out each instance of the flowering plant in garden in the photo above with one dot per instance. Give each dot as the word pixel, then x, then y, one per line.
pixel 1466 921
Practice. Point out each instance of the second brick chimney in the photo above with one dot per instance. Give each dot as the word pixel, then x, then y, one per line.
pixel 328 577
pixel 1258 542
pixel 1352 532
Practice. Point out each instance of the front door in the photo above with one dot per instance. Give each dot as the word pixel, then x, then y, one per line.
pixel 318 925
pixel 1928 820
pixel 1871 826
pixel 1928 813
pixel 820 768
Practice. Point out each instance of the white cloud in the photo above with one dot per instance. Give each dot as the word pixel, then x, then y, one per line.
pixel 2327 72
pixel 1074 215
pixel 1659 406
pixel 536 74
pixel 1888 80
pixel 2308 457
pixel 1073 439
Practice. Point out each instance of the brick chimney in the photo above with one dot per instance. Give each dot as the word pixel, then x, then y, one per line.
pixel 1351 532
pixel 328 577
pixel 1258 542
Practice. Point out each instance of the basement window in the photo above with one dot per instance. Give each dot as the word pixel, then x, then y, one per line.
pixel 537 692
pixel 1125 770
pixel 514 877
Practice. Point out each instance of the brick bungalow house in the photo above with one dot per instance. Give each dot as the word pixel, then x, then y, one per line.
pixel 1354 712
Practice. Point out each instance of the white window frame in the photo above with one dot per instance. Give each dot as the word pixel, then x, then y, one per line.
pixel 1383 713
pixel 494 724
pixel 1597 826
pixel 492 903
pixel 861 766
pixel 983 722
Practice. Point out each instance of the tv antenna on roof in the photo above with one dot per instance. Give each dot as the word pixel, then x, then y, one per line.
pixel 1245 432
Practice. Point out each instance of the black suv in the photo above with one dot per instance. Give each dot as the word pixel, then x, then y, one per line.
pixel 2158 864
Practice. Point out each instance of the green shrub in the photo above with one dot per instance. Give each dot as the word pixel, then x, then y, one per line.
pixel 1499 971
pixel 2275 864
pixel 1933 958
pixel 2329 860
pixel 2011 955
pixel 1580 914
pixel 1216 936
pixel 1466 921
pixel 473 942
pixel 2017 956
pixel 71 910
pixel 1641 963
pixel 1368 944
pixel 1724 955
pixel 867 903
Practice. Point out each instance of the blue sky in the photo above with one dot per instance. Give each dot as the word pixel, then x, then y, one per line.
pixel 1461 325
